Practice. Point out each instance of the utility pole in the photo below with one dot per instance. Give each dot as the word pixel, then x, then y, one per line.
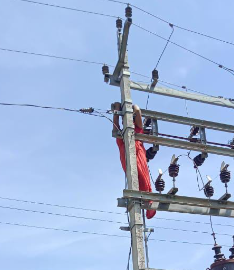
pixel 135 200
pixel 129 141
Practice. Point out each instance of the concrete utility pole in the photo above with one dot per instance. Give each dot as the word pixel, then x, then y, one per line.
pixel 133 199
pixel 129 141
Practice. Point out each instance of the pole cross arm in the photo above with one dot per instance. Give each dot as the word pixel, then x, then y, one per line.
pixel 187 121
pixel 223 102
pixel 199 147
pixel 123 50
pixel 180 204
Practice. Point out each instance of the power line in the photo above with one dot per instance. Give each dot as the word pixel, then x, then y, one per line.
pixel 97 63
pixel 103 211
pixel 175 25
pixel 64 230
pixel 57 214
pixel 160 57
pixel 89 111
pixel 231 71
pixel 188 50
pixel 102 234
pixel 52 56
pixel 68 8
pixel 192 231
pixel 102 220
pixel 60 206
pixel 182 28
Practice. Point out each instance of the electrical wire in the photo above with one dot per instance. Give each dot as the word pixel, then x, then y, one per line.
pixel 160 57
pixel 102 234
pixel 67 8
pixel 52 56
pixel 102 211
pixel 231 71
pixel 88 111
pixel 188 50
pixel 185 230
pixel 182 28
pixel 63 230
pixel 57 214
pixel 97 63
pixel 60 206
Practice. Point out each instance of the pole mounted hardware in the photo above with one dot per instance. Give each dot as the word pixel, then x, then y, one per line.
pixel 225 177
pixel 173 171
pixel 160 183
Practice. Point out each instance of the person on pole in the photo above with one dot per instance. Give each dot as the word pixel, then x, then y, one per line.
pixel 142 167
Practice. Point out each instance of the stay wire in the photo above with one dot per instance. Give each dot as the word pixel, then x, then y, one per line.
pixel 160 57
pixel 68 8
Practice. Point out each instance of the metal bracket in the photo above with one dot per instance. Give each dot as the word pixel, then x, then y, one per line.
pixel 180 204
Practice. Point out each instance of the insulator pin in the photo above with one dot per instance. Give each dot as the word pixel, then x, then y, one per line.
pixel 173 170
pixel 225 176
pixel 209 191
pixel 128 12
pixel 105 69
pixel 119 24
pixel 160 185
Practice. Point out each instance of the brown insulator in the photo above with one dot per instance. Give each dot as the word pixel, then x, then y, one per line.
pixel 128 12
pixel 173 170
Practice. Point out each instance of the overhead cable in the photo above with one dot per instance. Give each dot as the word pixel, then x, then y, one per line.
pixel 101 220
pixel 64 230
pixel 87 111
pixel 103 211
pixel 97 63
pixel 231 71
pixel 175 25
pixel 68 8
pixel 60 206
pixel 182 28
pixel 160 57
pixel 52 56
pixel 60 215
pixel 188 50
pixel 102 234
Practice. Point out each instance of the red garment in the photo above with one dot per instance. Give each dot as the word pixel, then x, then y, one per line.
pixel 142 168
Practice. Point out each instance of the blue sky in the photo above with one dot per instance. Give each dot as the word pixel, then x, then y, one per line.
pixel 71 159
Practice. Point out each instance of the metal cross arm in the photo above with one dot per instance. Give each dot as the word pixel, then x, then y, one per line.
pixel 187 121
pixel 184 145
pixel 182 95
pixel 180 204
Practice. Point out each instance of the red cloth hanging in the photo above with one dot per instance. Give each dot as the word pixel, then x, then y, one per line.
pixel 142 168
